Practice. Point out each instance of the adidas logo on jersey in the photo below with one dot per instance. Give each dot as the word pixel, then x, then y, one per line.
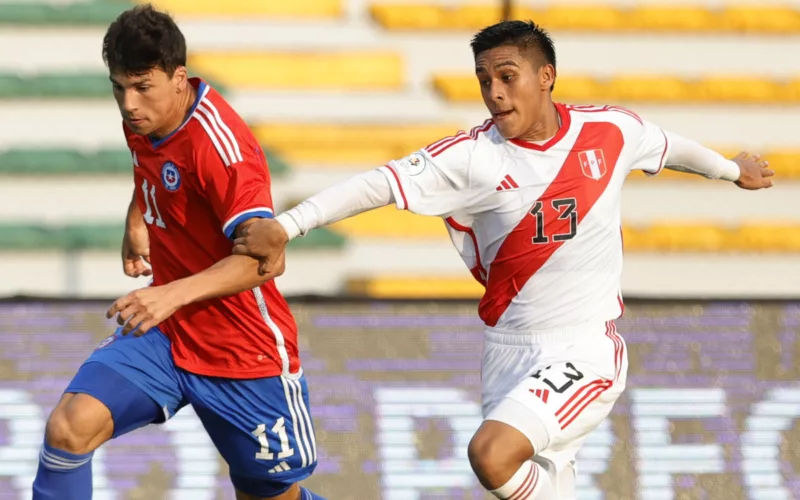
pixel 508 183
pixel 281 467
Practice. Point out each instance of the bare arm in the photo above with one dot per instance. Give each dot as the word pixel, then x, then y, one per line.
pixel 229 276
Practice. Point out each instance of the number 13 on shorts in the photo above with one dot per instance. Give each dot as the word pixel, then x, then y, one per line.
pixel 566 390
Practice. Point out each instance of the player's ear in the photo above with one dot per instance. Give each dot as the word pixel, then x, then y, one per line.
pixel 547 76
pixel 181 78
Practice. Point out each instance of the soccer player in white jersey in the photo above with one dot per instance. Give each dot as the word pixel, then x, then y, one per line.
pixel 531 200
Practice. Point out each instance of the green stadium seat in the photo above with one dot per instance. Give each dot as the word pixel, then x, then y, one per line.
pixel 55 86
pixel 71 14
pixel 50 161
pixel 40 237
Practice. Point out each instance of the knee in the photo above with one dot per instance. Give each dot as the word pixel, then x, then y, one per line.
pixel 73 430
pixel 495 457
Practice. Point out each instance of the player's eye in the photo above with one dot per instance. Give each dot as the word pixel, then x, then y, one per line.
pixel 117 88
pixel 507 78
pixel 485 83
pixel 142 88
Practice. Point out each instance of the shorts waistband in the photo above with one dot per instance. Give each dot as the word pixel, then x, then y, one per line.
pixel 505 337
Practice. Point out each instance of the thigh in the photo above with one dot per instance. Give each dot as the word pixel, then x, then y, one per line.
pixel 261 427
pixel 571 394
pixel 134 377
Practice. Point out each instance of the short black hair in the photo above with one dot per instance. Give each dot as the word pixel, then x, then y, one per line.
pixel 142 39
pixel 523 34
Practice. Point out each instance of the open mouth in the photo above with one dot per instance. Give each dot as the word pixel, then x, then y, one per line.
pixel 502 114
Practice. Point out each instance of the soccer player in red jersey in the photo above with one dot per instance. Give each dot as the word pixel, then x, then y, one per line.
pixel 210 331
pixel 531 199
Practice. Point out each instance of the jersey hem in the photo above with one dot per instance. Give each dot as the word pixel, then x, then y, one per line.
pixel 237 374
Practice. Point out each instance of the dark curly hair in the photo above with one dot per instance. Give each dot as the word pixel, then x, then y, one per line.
pixel 142 39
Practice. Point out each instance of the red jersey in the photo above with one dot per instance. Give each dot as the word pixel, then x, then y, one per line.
pixel 194 188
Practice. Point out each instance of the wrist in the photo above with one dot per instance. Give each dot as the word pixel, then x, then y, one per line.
pixel 289 225
pixel 730 171
pixel 182 292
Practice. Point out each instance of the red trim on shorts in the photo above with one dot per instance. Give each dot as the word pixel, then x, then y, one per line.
pixel 593 390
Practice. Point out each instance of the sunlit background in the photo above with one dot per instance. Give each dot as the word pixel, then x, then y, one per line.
pixel 336 87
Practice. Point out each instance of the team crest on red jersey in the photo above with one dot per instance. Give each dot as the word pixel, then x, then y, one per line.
pixel 170 176
pixel 593 163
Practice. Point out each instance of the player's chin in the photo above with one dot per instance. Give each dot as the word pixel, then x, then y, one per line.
pixel 507 129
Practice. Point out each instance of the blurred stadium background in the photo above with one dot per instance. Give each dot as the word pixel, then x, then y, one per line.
pixel 388 327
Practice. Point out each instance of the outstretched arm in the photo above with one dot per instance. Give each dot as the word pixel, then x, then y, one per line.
pixel 747 171
pixel 267 239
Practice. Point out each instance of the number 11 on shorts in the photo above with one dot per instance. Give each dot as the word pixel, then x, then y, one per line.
pixel 280 430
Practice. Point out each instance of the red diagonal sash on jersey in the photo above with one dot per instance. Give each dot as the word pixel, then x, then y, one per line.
pixel 518 258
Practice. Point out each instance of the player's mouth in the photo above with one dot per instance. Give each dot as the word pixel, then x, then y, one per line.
pixel 501 115
pixel 135 121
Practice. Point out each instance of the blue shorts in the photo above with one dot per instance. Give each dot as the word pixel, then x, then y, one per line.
pixel 261 427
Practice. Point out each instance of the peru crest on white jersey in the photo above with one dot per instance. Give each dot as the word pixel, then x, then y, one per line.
pixel 537 224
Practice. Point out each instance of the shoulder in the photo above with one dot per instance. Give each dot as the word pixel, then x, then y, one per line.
pixel 463 147
pixel 215 128
pixel 617 115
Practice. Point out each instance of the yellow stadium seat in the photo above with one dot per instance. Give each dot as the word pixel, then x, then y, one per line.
pixel 302 71
pixel 389 222
pixel 595 17
pixel 457 88
pixel 579 89
pixel 766 237
pixel 765 19
pixel 647 89
pixel 337 144
pixel 739 90
pixel 407 17
pixel 785 163
pixel 261 8
pixel 640 88
pixel 581 18
pixel 684 238
pixel 411 287
pixel 664 18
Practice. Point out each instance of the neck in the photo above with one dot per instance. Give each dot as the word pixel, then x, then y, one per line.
pixel 180 114
pixel 545 126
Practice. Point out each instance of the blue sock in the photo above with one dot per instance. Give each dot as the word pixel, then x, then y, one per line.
pixel 63 476
pixel 308 495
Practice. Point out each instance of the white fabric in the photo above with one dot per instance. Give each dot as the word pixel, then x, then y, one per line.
pixel 530 482
pixel 355 195
pixel 686 155
pixel 464 183
pixel 570 385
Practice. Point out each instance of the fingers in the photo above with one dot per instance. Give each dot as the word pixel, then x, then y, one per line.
pixel 240 246
pixel 119 305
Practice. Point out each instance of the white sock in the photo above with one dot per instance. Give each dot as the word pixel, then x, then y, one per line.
pixel 530 482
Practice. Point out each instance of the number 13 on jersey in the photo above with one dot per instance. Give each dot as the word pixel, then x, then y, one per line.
pixel 565 225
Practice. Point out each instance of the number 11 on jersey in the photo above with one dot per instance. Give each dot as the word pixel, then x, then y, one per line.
pixel 151 204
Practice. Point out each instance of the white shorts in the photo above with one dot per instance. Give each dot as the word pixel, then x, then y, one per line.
pixel 569 380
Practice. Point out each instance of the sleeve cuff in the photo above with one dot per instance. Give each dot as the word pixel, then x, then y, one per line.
pixel 730 171
pixel 229 228
pixel 291 226
pixel 397 188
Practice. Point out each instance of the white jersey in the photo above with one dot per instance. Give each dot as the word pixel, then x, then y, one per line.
pixel 538 225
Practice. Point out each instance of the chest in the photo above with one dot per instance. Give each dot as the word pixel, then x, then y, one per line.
pixel 557 188
pixel 166 185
